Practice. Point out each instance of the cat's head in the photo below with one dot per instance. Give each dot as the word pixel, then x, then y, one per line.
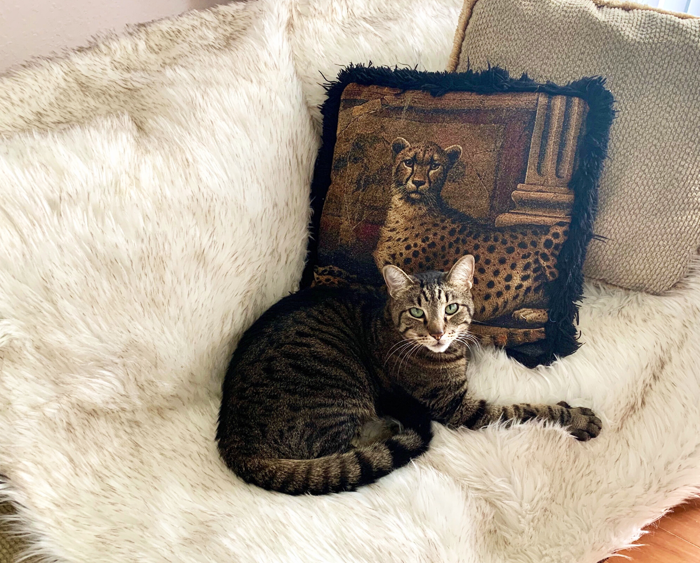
pixel 433 309
pixel 420 170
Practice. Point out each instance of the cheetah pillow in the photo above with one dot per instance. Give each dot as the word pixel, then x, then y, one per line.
pixel 418 169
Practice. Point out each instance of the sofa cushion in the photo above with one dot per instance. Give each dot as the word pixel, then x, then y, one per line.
pixel 648 223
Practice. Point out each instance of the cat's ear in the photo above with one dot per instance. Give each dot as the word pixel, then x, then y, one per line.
pixel 396 280
pixel 462 273
pixel 453 153
pixel 399 144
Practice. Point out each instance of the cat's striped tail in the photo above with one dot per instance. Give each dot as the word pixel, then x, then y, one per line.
pixel 338 472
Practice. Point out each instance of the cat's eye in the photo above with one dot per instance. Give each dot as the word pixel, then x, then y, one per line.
pixel 416 312
pixel 434 165
pixel 451 309
pixel 408 162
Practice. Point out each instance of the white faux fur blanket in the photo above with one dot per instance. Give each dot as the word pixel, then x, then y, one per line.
pixel 154 201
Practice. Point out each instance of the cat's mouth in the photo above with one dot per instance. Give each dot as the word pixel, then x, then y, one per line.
pixel 415 195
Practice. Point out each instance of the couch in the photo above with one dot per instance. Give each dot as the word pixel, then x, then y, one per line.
pixel 154 195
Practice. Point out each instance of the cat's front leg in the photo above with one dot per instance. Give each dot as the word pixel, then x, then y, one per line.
pixel 465 410
pixel 582 423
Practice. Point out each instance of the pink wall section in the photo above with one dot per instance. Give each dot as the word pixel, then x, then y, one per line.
pixel 31 28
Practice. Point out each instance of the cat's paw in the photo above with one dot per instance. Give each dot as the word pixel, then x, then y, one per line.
pixel 584 424
pixel 531 316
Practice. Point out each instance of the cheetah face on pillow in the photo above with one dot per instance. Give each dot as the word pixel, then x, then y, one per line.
pixel 420 170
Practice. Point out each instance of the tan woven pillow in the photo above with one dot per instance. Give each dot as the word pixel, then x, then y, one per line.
pixel 649 207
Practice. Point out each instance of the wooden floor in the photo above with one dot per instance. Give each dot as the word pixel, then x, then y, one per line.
pixel 675 538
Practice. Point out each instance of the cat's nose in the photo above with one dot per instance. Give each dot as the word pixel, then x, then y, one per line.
pixel 438 335
pixel 418 183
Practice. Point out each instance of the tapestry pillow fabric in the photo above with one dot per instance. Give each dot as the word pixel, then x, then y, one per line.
pixel 648 222
pixel 419 169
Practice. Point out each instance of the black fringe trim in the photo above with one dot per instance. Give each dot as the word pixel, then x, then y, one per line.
pixel 566 291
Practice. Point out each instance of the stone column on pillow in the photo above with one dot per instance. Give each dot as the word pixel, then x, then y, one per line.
pixel 545 198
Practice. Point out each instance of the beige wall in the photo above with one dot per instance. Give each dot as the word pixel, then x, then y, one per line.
pixel 31 28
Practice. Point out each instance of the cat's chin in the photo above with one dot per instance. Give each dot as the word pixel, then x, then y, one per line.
pixel 438 348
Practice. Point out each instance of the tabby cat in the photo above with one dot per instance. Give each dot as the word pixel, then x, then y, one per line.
pixel 422 232
pixel 333 388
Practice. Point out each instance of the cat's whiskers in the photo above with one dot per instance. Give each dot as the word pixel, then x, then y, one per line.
pixel 416 346
pixel 413 351
pixel 469 340
pixel 402 353
pixel 395 348
pixel 399 350
pixel 469 336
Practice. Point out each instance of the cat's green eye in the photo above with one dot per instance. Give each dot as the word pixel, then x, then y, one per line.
pixel 434 165
pixel 416 312
pixel 451 309
pixel 408 162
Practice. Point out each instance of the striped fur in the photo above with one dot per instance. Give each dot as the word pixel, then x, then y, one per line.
pixel 322 367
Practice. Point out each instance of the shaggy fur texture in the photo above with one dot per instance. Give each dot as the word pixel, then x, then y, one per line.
pixel 327 35
pixel 159 206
